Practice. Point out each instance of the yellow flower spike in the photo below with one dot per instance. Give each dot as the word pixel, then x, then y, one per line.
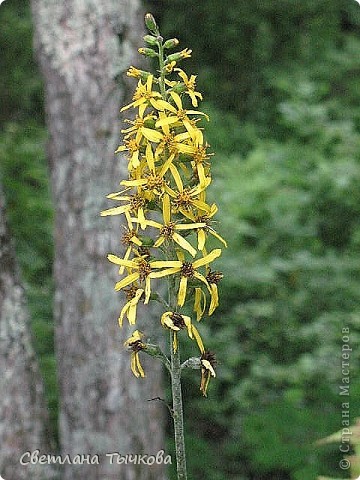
pixel 169 170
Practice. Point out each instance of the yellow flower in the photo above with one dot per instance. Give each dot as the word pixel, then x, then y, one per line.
pixel 199 163
pixel 166 139
pixel 139 269
pixel 186 53
pixel 136 345
pixel 144 95
pixel 213 279
pixel 187 271
pixel 136 204
pixel 152 181
pixel 132 146
pixel 208 363
pixel 205 216
pixel 133 72
pixel 137 125
pixel 190 84
pixel 168 230
pixel 179 115
pixel 170 67
pixel 185 199
pixel 133 294
pixel 176 322
pixel 129 239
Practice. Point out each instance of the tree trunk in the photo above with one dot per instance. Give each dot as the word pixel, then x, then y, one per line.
pixel 23 414
pixel 84 47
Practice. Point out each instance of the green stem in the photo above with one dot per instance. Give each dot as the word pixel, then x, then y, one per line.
pixel 178 415
pixel 162 69
pixel 175 364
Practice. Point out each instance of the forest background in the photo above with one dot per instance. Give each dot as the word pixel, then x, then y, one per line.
pixel 281 82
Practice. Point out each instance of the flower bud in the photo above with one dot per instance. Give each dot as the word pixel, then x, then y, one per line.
pixel 179 88
pixel 136 73
pixel 175 57
pixel 151 40
pixel 150 23
pixel 173 42
pixel 148 52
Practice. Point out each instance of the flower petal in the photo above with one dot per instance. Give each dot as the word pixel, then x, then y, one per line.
pixel 210 257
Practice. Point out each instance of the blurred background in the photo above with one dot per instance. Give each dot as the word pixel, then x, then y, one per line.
pixel 281 83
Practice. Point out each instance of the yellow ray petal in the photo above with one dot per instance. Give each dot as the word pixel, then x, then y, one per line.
pixel 198 339
pixel 214 298
pixel 182 291
pixel 177 178
pixel 121 261
pixel 166 209
pixel 184 244
pixel 152 135
pixel 188 226
pixel 139 367
pixel 164 273
pixel 210 257
pixel 126 281
pixel 201 239
pixel 115 210
pixel 166 263
pixel 177 100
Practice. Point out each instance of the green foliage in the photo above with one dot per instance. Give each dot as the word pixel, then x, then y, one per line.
pixel 20 83
pixel 244 47
pixel 291 216
pixel 23 173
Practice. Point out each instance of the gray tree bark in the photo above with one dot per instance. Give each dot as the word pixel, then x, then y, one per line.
pixel 84 48
pixel 23 413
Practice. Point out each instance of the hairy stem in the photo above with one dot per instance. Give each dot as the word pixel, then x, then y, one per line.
pixel 178 415
pixel 175 364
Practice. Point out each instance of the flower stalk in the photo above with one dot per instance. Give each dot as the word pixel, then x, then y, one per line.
pixel 168 218
pixel 178 415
